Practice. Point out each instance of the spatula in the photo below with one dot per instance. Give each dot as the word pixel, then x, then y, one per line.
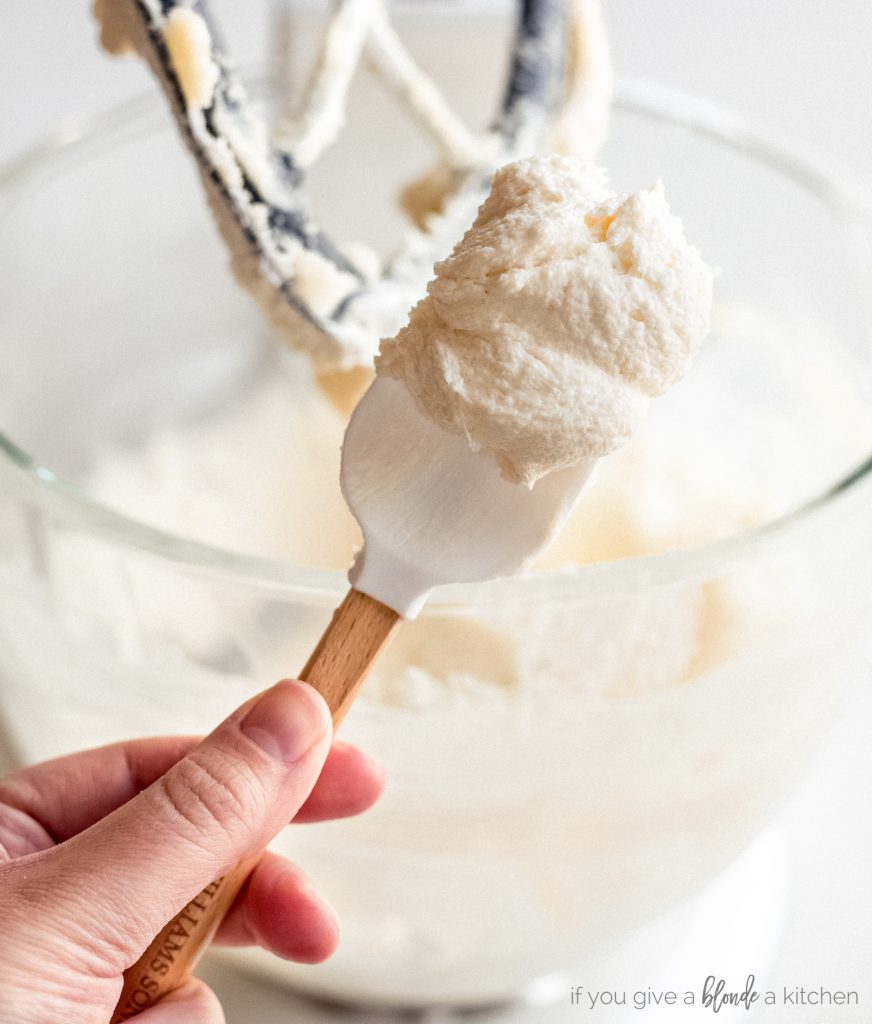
pixel 432 511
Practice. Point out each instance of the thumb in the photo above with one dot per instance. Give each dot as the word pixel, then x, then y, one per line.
pixel 117 884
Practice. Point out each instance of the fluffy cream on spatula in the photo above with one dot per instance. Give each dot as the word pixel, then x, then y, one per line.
pixel 564 308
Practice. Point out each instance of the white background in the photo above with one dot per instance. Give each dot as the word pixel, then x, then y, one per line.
pixel 801 71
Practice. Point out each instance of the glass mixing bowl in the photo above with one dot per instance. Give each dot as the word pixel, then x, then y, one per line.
pixel 570 755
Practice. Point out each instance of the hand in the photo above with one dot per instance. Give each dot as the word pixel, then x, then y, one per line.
pixel 100 849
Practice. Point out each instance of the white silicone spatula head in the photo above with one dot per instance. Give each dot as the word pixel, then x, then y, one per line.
pixel 434 511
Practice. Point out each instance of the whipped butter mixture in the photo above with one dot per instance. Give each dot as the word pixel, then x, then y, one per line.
pixel 562 310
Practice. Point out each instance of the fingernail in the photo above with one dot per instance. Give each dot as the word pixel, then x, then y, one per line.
pixel 287 721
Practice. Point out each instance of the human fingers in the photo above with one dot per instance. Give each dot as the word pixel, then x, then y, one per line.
pixel 350 782
pixel 116 884
pixel 48 803
pixel 280 910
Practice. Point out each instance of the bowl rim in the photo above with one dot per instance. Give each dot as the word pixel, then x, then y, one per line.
pixel 74 507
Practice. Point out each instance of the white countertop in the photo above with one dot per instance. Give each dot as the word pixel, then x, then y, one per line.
pixel 802 76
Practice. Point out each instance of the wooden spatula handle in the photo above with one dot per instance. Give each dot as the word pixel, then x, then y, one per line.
pixel 358 631
pixel 360 628
pixel 176 948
